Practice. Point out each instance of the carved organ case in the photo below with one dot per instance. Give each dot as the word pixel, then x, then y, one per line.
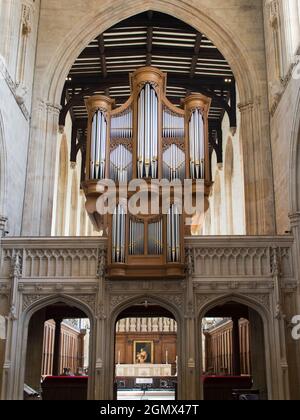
pixel 147 138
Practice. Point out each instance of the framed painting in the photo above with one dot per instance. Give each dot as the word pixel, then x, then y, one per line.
pixel 143 352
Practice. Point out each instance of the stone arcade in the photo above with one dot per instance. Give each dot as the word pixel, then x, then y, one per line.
pixel 240 259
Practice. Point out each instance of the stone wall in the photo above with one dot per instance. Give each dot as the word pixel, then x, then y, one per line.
pixel 18 36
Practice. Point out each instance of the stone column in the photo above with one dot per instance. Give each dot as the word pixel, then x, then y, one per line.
pixel 188 387
pixel 236 355
pixel 102 381
pixel 39 194
pixel 56 351
pixel 259 196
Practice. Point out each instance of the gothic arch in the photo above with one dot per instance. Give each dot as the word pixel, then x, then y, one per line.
pixel 3 178
pixel 39 304
pixel 257 307
pixel 126 303
pixel 201 19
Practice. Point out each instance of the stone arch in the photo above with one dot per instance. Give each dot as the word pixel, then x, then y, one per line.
pixel 126 303
pixel 202 19
pixel 260 219
pixel 39 304
pixel 3 177
pixel 259 309
pixel 228 173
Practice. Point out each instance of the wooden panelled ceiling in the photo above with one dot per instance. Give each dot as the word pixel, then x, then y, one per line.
pixel 190 59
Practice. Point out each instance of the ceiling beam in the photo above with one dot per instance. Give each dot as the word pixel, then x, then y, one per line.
pixel 149 45
pixel 195 58
pixel 101 48
pixel 159 50
pixel 158 20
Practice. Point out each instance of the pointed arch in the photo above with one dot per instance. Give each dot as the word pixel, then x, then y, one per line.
pixel 43 303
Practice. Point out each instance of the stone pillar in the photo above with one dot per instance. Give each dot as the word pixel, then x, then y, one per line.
pixel 257 352
pixel 39 194
pixel 236 355
pixel 56 351
pixel 188 387
pixel 103 383
pixel 259 196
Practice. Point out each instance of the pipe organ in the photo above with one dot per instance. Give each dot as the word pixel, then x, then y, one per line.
pixel 147 138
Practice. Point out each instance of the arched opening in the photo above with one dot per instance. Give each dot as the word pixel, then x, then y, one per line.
pixel 233 352
pixel 188 57
pixel 146 353
pixel 58 352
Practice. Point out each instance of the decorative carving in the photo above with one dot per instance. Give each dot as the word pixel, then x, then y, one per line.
pixel 176 300
pixel 88 299
pixel 117 300
pixel 29 300
pixel 201 299
pixel 16 264
pixel 262 298
pixel 190 268
pixel 102 264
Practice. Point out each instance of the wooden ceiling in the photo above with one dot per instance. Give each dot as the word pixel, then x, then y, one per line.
pixel 190 59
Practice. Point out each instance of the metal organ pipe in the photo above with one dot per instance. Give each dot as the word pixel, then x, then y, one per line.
pixel 173 234
pixel 197 147
pixel 118 235
pixel 98 146
pixel 147 132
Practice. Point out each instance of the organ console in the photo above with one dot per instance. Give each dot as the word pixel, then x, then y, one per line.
pixel 148 138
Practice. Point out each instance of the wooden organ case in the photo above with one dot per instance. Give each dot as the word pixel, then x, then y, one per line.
pixel 148 138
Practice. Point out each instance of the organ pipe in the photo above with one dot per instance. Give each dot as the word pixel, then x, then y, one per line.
pixel 118 235
pixel 173 234
pixel 147 137
pixel 147 132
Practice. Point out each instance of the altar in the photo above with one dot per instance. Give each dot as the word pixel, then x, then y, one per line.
pixel 144 370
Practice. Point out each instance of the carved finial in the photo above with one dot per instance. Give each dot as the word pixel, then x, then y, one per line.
pixel 102 266
pixel 275 262
pixel 189 261
pixel 16 264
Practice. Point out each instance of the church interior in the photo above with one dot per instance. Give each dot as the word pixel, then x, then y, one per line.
pixel 150 200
